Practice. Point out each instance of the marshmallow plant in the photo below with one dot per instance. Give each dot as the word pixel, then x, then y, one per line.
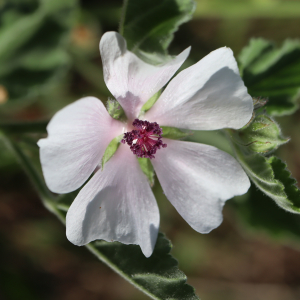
pixel 114 153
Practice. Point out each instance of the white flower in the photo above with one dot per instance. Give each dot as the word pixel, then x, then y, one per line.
pixel 117 203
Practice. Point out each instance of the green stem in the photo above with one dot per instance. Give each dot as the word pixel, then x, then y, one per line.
pixel 41 187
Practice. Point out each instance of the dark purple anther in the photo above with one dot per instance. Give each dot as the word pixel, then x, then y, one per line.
pixel 145 140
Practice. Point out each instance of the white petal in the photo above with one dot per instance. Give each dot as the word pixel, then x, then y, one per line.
pixel 207 96
pixel 77 138
pixel 129 79
pixel 197 179
pixel 117 204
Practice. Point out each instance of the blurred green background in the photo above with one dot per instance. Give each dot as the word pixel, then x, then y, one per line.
pixel 49 57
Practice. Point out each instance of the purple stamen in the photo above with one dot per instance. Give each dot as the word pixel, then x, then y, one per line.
pixel 144 141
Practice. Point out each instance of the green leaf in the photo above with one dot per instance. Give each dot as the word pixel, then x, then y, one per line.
pixel 110 150
pixel 282 174
pixel 147 169
pixel 174 133
pixel 273 73
pixel 158 276
pixel 271 177
pixel 262 135
pixel 149 25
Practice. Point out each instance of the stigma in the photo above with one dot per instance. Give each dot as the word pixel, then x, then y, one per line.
pixel 145 140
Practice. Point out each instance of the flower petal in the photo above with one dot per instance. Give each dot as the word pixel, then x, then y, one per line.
pixel 117 204
pixel 77 138
pixel 130 80
pixel 206 96
pixel 197 179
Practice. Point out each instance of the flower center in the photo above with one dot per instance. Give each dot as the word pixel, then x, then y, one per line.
pixel 145 139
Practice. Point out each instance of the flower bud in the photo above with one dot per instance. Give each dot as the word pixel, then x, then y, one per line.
pixel 262 135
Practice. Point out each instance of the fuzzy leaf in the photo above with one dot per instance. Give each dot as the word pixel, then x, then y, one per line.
pixel 149 25
pixel 273 73
pixel 282 174
pixel 271 177
pixel 157 276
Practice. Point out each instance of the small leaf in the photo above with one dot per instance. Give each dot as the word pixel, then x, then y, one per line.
pixel 273 73
pixel 110 150
pixel 262 135
pixel 271 177
pixel 147 169
pixel 149 25
pixel 115 110
pixel 174 133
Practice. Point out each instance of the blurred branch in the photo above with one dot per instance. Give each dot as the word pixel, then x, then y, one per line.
pixel 46 196
pixel 24 127
pixel 122 21
pixel 48 199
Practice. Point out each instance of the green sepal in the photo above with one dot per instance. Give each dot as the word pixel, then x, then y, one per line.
pixel 174 133
pixel 262 135
pixel 147 169
pixel 115 110
pixel 111 149
pixel 151 102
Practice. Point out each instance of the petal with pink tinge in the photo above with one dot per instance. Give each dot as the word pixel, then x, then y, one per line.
pixel 131 80
pixel 77 138
pixel 206 96
pixel 117 204
pixel 197 179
